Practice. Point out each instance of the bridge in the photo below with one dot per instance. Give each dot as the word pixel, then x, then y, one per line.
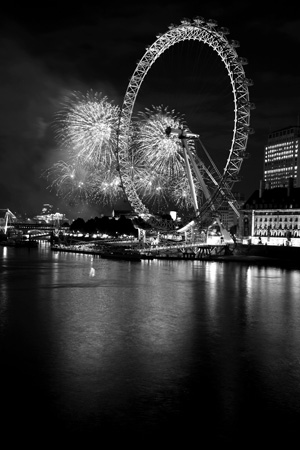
pixel 38 230
pixel 6 220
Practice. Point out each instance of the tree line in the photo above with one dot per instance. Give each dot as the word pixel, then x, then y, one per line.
pixel 105 225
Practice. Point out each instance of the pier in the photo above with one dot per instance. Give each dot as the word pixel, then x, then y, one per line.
pixel 196 250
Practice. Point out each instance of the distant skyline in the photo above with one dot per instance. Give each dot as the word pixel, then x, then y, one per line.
pixel 55 48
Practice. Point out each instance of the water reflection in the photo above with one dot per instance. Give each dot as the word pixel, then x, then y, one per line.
pixel 153 345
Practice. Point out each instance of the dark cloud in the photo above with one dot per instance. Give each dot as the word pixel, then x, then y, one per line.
pixel 49 50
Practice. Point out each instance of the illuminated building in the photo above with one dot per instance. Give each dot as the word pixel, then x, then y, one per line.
pixel 281 161
pixel 273 216
pixel 47 216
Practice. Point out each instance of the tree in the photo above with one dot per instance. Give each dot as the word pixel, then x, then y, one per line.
pixel 78 225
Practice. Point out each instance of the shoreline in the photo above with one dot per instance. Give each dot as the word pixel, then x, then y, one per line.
pixel 242 257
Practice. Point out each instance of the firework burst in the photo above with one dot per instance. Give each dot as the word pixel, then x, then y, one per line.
pixel 77 183
pixel 157 161
pixel 86 130
pixel 109 188
pixel 86 127
pixel 180 193
pixel 72 181
pixel 154 149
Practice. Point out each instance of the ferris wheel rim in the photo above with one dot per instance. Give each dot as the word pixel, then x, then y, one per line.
pixel 206 32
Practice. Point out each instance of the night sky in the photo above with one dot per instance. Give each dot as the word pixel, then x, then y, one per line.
pixel 59 47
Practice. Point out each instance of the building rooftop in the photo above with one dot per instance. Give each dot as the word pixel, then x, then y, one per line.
pixel 276 198
pixel 280 130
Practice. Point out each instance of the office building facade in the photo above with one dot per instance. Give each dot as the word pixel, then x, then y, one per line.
pixel 281 162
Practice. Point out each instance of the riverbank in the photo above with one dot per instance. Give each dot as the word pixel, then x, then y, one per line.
pixel 251 254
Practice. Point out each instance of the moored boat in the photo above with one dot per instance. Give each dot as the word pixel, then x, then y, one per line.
pixel 22 243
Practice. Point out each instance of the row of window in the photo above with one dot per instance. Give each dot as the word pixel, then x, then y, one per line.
pixel 281 219
pixel 280 170
pixel 278 234
pixel 279 145
pixel 282 154
pixel 279 227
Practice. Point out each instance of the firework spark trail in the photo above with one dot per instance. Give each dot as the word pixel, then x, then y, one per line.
pixel 72 181
pixel 162 153
pixel 153 188
pixel 77 182
pixel 109 189
pixel 162 175
pixel 180 192
pixel 87 127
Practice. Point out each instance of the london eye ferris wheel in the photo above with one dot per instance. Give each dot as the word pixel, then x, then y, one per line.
pixel 162 158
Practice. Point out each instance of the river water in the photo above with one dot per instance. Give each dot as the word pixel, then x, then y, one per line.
pixel 194 353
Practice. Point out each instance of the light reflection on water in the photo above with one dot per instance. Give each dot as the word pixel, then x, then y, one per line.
pixel 176 347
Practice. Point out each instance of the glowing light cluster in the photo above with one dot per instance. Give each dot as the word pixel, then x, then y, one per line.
pixel 157 164
pixel 72 181
pixel 161 153
pixel 87 127
pixel 86 132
